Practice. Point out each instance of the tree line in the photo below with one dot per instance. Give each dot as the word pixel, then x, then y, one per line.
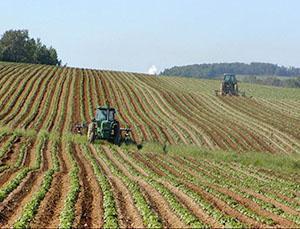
pixel 217 69
pixel 17 46
pixel 273 81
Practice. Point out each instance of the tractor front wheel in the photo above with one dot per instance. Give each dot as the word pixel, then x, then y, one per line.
pixel 91 133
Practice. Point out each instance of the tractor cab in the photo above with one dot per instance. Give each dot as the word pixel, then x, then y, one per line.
pixel 230 78
pixel 105 114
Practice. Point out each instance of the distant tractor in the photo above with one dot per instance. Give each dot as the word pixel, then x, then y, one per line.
pixel 229 86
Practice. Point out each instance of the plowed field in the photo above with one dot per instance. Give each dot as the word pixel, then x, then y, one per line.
pixel 50 177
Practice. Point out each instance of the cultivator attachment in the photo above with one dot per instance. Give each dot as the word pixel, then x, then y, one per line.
pixel 83 129
pixel 126 137
pixel 79 128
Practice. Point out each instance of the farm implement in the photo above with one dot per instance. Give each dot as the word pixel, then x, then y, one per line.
pixel 229 86
pixel 104 126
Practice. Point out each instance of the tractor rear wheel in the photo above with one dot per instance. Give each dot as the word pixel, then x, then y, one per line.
pixel 91 133
pixel 117 135
pixel 236 89
pixel 222 90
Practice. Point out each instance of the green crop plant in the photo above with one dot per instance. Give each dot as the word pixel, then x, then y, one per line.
pixel 183 213
pixel 12 184
pixel 67 215
pixel 228 221
pixel 149 217
pixel 8 144
pixel 235 185
pixel 22 151
pixel 31 208
pixel 109 205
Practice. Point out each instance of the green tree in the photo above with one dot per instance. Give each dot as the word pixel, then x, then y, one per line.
pixel 17 46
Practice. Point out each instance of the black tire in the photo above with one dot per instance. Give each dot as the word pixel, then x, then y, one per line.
pixel 236 89
pixel 91 133
pixel 222 91
pixel 117 135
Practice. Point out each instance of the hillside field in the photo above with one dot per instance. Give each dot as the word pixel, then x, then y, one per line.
pixel 226 161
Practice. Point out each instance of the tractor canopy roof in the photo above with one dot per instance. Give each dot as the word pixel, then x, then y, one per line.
pixel 230 78
pixel 106 107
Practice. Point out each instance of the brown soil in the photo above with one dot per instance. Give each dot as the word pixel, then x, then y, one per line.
pixel 12 206
pixel 58 107
pixel 180 196
pixel 211 123
pixel 197 166
pixel 20 98
pixel 244 201
pixel 269 117
pixel 14 88
pixel 192 206
pixel 166 108
pixel 152 122
pixel 32 98
pixel 28 153
pixel 274 202
pixel 46 103
pixel 125 109
pixel 85 96
pixel 49 208
pixel 12 202
pixel 169 218
pixel 26 121
pixel 12 154
pixel 76 100
pixel 221 205
pixel 138 112
pixel 90 197
pixel 67 122
pixel 160 112
pixel 97 92
pixel 3 140
pixel 128 215
pixel 8 174
pixel 58 191
pixel 244 136
pixel 176 104
pixel 93 89
pixel 148 164
pixel 63 118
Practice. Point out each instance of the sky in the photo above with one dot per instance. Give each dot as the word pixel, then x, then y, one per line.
pixel 151 35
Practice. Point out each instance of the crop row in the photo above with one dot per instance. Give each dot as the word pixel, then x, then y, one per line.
pixel 16 181
pixel 243 190
pixel 150 218
pixel 156 109
pixel 31 208
pixel 183 213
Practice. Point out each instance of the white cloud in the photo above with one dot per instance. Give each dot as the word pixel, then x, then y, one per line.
pixel 152 70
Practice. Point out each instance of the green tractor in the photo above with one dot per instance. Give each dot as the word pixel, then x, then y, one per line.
pixel 105 126
pixel 229 86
